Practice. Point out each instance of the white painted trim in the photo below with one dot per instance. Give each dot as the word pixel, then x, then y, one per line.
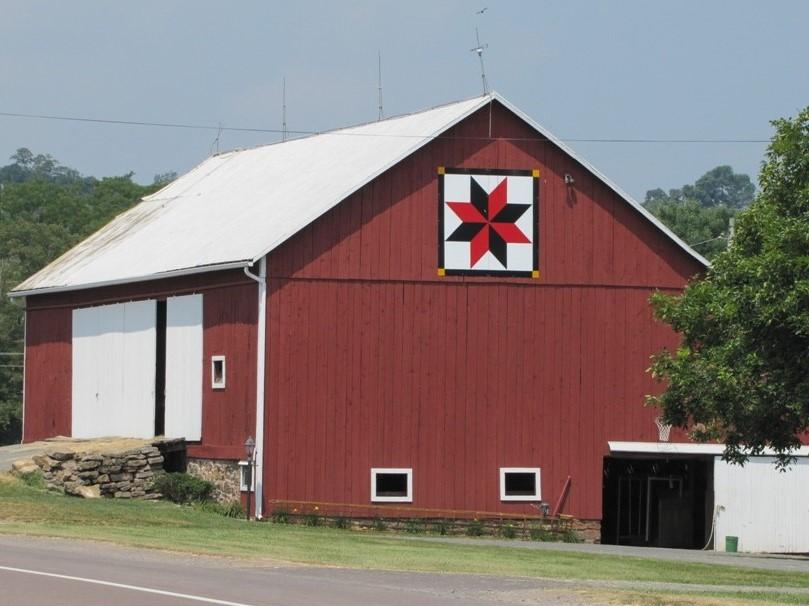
pixel 537 496
pixel 168 274
pixel 214 383
pixel 689 448
pixel 399 470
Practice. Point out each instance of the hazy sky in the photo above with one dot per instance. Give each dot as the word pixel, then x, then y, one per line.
pixel 707 69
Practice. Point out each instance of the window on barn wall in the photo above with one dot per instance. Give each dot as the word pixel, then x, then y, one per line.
pixel 244 467
pixel 520 484
pixel 218 372
pixel 391 485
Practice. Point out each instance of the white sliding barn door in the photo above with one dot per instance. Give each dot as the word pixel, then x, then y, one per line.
pixel 184 367
pixel 114 370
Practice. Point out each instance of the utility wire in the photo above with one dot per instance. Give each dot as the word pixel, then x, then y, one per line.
pixel 355 134
pixel 722 237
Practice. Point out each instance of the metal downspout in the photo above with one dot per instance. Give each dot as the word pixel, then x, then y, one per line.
pixel 261 279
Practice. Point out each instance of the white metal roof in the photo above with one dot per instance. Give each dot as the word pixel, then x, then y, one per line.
pixel 237 206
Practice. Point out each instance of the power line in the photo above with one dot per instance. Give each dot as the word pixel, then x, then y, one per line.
pixel 220 128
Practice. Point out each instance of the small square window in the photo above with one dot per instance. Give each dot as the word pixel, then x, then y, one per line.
pixel 520 484
pixel 243 476
pixel 218 372
pixel 391 485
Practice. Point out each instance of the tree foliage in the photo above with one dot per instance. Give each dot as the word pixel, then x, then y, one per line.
pixel 45 208
pixel 741 374
pixel 700 213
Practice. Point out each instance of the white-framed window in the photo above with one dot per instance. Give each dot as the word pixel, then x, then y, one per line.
pixel 243 476
pixel 218 370
pixel 520 484
pixel 391 485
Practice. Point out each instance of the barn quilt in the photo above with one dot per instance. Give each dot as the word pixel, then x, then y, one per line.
pixel 488 222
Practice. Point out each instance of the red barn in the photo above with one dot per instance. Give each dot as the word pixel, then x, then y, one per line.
pixel 445 310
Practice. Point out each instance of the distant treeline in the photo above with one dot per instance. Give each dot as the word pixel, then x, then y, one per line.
pixel 45 208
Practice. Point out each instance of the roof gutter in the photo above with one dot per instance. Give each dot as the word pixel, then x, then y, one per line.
pixel 685 448
pixel 261 359
pixel 189 271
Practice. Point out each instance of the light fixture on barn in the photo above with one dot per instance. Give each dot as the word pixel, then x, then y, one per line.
pixel 569 180
pixel 250 451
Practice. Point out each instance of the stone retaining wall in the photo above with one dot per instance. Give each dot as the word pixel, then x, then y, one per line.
pixel 224 475
pixel 120 475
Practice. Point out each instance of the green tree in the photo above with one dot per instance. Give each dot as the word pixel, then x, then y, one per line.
pixel 700 213
pixel 741 374
pixel 45 208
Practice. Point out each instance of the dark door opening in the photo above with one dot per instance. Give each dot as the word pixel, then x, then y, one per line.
pixel 657 502
pixel 160 371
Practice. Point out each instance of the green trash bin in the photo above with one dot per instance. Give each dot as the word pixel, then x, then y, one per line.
pixel 731 544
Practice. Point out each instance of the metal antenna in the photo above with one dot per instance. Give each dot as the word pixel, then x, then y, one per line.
pixel 284 110
pixel 379 87
pixel 479 50
pixel 215 143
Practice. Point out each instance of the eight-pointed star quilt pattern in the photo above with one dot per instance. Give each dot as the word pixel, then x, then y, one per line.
pixel 488 222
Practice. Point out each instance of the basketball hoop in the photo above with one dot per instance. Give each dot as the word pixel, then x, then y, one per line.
pixel 663 430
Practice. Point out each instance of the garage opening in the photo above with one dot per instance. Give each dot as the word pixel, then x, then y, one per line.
pixel 657 502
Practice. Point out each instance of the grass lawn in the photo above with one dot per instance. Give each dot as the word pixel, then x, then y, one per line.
pixel 31 511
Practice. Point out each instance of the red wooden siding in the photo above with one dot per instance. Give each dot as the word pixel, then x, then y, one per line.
pixel 48 363
pixel 228 415
pixel 375 361
pixel 455 381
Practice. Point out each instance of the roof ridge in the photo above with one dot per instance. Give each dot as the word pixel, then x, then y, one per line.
pixel 309 135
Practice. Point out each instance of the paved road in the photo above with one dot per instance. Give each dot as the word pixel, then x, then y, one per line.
pixel 73 571
pixel 50 572
pixel 9 454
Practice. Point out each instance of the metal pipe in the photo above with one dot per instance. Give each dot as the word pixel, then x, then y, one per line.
pixel 261 354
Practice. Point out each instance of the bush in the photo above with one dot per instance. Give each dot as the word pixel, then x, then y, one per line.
pixel 412 527
pixel 475 528
pixel 312 519
pixel 379 524
pixel 280 516
pixel 183 488
pixel 441 527
pixel 341 522
pixel 33 479
pixel 540 534
pixel 570 536
pixel 233 509
pixel 508 531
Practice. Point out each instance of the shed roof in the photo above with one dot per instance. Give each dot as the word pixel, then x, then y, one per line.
pixel 236 207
